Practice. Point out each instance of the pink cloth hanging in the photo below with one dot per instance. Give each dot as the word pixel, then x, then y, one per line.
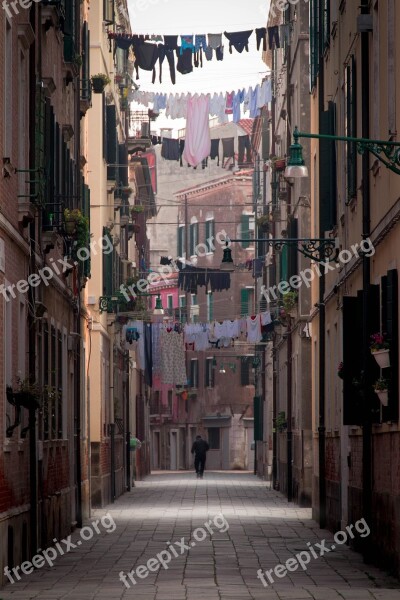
pixel 197 141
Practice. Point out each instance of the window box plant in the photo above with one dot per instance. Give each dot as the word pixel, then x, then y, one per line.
pixel 281 422
pixel 76 225
pixel 26 394
pixel 263 223
pixel 381 390
pixel 279 164
pixel 380 350
pixel 99 82
pixel 290 302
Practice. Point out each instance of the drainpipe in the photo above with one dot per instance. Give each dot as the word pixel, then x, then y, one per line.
pixel 321 328
pixel 366 276
pixel 289 433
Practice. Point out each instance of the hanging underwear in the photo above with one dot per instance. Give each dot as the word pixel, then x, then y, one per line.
pixel 239 40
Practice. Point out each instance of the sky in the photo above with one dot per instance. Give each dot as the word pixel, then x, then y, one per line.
pixel 189 17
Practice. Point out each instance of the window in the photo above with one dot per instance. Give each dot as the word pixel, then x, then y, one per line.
pixel 314 42
pixel 155 406
pixel 194 238
pixel 210 233
pixel 170 301
pixel 194 300
pixel 351 127
pixel 246 302
pixel 112 142
pixel 245 366
pixel 209 371
pixel 181 241
pixel 214 438
pixel 245 230
pixel 7 91
pixel 326 22
pixel 108 11
pixel 107 265
pixel 169 411
pixel 210 306
pixel 86 89
pixel 194 373
pixel 182 309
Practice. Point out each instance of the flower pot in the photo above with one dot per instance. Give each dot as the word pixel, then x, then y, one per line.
pixel 383 396
pixel 382 358
pixel 280 165
pixel 70 226
pixel 98 85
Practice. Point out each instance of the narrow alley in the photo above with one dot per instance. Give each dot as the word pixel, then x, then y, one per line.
pixel 251 527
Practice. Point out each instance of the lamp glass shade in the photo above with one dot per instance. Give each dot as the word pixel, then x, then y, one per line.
pixel 296 171
pixel 227 262
pixel 158 310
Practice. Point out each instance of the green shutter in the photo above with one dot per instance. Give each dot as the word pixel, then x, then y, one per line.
pixel 314 41
pixel 244 302
pixel 107 265
pixel 194 238
pixel 351 129
pixel 210 234
pixel 86 88
pixel 258 418
pixel 327 172
pixel 245 371
pixel 112 142
pixel 181 241
pixel 69 32
pixel 284 263
pixel 245 230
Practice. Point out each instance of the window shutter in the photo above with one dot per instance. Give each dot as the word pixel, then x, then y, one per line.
pixel 210 233
pixel 390 326
pixel 109 11
pixel 49 155
pixel 352 349
pixel 194 238
pixel 351 127
pixel 314 42
pixel 107 265
pixel 86 90
pixel 293 252
pixel 69 32
pixel 244 302
pixel 245 371
pixel 258 419
pixel 86 212
pixel 283 263
pixel 112 142
pixel 245 230
pixel 103 98
pixel 327 172
pixel 181 241
pixel 265 138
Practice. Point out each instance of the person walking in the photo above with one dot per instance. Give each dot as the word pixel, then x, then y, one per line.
pixel 199 449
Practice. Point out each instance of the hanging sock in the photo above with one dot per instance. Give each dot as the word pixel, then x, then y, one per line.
pixel 239 40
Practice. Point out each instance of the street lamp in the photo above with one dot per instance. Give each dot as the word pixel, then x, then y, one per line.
pixel 386 152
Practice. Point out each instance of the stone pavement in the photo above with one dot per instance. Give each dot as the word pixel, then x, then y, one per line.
pixel 264 530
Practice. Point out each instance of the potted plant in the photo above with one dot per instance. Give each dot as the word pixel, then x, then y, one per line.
pixel 381 390
pixel 380 350
pixel 263 223
pixel 289 302
pixel 77 225
pixel 138 208
pixel 27 394
pixel 281 421
pixel 99 82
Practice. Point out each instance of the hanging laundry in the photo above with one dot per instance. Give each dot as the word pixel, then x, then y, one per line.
pixel 171 42
pixel 198 59
pixel 214 152
pixel 185 61
pixel 156 38
pixel 265 93
pixel 200 41
pixel 285 34
pixel 219 53
pixel 229 103
pixel 266 318
pixel 244 146
pixel 146 57
pixel 173 368
pixel 254 110
pixel 254 329
pixel 140 354
pixel 198 142
pixel 187 43
pixel 208 52
pixel 169 54
pixel 273 37
pixel 190 278
pixel 170 149
pixel 261 34
pixel 239 40
pixel 228 148
pixel 215 40
pixel 238 99
pixel 247 99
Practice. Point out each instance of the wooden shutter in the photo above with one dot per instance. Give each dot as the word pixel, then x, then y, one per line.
pixel 86 90
pixel 109 11
pixel 181 241
pixel 112 142
pixel 327 172
pixel 245 230
pixel 390 326
pixel 352 353
pixel 351 127
pixel 107 265
pixel 244 302
pixel 245 371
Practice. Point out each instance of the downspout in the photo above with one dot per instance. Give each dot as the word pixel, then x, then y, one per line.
pixel 273 279
pixel 366 276
pixel 34 54
pixel 322 316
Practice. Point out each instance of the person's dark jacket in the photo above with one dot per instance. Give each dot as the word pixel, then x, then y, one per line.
pixel 200 447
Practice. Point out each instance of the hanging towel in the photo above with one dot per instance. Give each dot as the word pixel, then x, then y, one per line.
pixel 198 142
pixel 239 40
